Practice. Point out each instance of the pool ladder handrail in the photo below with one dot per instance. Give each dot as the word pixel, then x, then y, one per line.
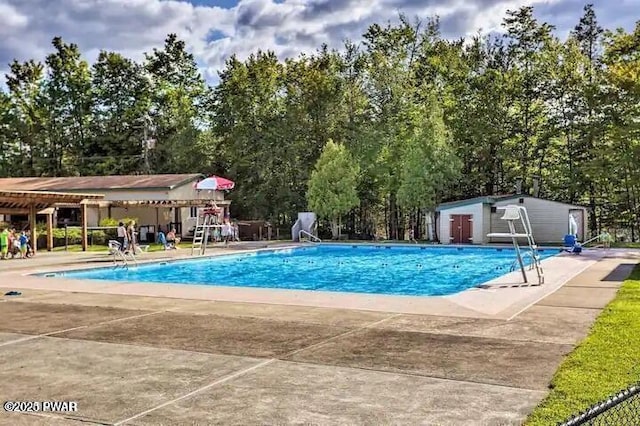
pixel 115 250
pixel 514 264
pixel 600 238
pixel 309 235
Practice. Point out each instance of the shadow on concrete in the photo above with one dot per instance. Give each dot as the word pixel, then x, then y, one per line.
pixel 620 273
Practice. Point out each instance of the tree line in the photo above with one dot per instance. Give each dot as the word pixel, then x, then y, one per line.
pixel 419 119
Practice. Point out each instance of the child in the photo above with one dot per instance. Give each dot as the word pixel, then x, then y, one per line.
pixel 15 245
pixel 4 243
pixel 24 240
pixel 30 252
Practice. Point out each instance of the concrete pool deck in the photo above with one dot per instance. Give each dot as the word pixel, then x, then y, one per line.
pixel 138 359
pixel 501 298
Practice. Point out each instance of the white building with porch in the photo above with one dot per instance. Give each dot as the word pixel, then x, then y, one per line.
pixel 166 200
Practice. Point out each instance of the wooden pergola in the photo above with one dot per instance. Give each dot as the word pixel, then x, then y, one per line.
pixel 168 203
pixel 32 203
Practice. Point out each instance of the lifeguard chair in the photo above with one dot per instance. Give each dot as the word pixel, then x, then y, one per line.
pixel 514 214
pixel 204 223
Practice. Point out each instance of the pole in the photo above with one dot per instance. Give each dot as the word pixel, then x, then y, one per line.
pixel 66 237
pixel 146 148
pixel 50 231
pixel 83 209
pixel 33 211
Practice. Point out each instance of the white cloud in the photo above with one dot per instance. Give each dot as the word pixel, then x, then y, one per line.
pixel 289 27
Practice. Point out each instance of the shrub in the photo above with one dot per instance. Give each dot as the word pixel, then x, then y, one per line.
pixel 108 221
pixel 97 237
pixel 73 234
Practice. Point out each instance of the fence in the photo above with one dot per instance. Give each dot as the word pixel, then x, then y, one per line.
pixel 620 410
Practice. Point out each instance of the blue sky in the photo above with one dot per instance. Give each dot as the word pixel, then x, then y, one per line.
pixel 216 29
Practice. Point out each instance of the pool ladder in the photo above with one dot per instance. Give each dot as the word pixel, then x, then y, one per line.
pixel 120 259
pixel 308 236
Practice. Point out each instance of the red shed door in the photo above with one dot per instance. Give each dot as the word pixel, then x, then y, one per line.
pixel 461 228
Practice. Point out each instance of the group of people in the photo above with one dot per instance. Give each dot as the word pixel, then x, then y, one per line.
pixel 226 232
pixel 127 236
pixel 15 244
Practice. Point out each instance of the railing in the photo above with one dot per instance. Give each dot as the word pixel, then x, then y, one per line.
pixel 622 408
pixel 309 236
pixel 117 253
pixel 295 229
pixel 598 237
pixel 525 255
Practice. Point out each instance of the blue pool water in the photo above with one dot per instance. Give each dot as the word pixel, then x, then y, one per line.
pixel 396 270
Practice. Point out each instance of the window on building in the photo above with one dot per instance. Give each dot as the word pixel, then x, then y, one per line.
pixel 193 212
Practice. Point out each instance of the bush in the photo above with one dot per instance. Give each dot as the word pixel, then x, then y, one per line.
pixel 73 234
pixel 97 237
pixel 108 221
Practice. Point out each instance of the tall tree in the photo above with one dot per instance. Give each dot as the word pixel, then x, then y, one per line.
pixel 588 34
pixel 622 77
pixel 122 95
pixel 429 163
pixel 69 105
pixel 178 107
pixel 528 141
pixel 332 187
pixel 246 117
pixel 7 135
pixel 26 123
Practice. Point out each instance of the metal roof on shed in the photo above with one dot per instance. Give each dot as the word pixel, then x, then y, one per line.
pixel 99 183
pixel 492 199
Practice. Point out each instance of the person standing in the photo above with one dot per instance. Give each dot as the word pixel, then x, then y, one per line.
pixel 131 235
pixel 122 235
pixel 4 243
pixel 226 231
pixel 24 240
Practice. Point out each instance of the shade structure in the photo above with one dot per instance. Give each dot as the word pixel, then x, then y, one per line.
pixel 215 183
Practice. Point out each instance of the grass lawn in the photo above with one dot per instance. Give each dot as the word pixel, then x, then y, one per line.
pixel 96 248
pixel 605 362
pixel 625 245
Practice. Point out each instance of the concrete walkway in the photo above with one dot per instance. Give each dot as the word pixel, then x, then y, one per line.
pixel 153 360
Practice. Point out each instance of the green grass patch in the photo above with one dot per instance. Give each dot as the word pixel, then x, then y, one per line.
pixel 605 362
pixel 625 245
pixel 74 248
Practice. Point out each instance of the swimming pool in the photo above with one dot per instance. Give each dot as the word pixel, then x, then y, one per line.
pixel 397 270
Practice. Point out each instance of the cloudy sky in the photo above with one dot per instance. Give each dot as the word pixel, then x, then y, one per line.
pixel 214 29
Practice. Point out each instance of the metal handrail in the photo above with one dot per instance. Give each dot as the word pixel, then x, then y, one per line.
pixel 309 235
pixel 117 253
pixel 595 238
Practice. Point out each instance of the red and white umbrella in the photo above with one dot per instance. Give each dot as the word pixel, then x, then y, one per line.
pixel 215 183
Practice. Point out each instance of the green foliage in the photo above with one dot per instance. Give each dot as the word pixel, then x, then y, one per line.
pixel 606 362
pixel 332 187
pixel 426 119
pixel 108 221
pixel 429 164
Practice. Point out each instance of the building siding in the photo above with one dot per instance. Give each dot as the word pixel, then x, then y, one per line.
pixel 475 210
pixel 147 215
pixel 549 219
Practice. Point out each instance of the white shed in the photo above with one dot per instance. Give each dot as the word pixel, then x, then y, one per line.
pixel 469 221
